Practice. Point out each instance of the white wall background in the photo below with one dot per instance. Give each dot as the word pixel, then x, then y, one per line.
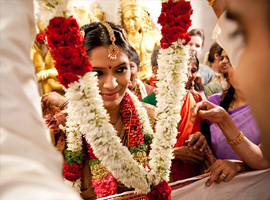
pixel 203 15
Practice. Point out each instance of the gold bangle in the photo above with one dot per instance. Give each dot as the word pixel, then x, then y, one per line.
pixel 63 104
pixel 211 3
pixel 237 141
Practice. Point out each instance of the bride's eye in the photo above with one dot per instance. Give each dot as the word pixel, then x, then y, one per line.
pixel 99 73
pixel 121 69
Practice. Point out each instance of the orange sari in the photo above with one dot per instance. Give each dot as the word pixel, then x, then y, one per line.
pixel 180 170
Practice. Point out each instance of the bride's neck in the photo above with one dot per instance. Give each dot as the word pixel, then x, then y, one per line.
pixel 113 113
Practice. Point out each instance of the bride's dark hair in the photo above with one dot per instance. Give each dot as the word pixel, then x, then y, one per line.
pixel 96 35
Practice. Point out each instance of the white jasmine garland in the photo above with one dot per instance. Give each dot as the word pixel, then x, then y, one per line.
pixel 170 90
pixel 141 88
pixel 142 114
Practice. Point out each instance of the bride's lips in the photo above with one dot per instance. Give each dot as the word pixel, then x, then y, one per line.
pixel 109 95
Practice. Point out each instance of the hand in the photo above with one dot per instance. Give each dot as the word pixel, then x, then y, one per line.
pixel 198 82
pixel 198 141
pixel 209 111
pixel 209 160
pixel 222 170
pixel 52 98
pixel 188 155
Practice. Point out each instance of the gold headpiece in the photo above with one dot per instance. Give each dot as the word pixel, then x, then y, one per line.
pixel 113 49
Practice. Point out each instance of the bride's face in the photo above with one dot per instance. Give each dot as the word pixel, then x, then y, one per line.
pixel 113 75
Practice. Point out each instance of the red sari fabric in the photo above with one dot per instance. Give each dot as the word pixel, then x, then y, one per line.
pixel 180 170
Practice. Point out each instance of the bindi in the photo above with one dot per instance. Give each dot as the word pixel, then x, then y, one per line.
pixel 110 67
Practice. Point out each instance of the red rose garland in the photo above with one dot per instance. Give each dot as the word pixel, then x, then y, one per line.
pixel 131 121
pixel 65 43
pixel 175 21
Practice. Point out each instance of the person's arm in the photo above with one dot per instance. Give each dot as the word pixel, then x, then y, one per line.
pixel 249 152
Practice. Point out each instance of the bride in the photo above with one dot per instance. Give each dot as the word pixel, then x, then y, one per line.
pixel 113 81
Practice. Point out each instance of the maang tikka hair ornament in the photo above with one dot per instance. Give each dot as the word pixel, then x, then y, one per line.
pixel 113 49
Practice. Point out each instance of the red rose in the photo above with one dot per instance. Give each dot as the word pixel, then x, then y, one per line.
pixel 162 18
pixel 73 37
pixel 54 39
pixel 58 25
pixel 172 34
pixel 73 172
pixel 105 187
pixel 162 191
pixel 40 38
pixel 73 23
pixel 184 21
pixel 67 78
pixel 181 8
pixel 170 20
pixel 81 65
pixel 66 52
pixel 63 65
pixel 163 8
pixel 170 6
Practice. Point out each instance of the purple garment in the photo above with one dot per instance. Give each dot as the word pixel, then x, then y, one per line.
pixel 243 119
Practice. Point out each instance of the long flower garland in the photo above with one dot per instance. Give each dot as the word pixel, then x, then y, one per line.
pixel 85 108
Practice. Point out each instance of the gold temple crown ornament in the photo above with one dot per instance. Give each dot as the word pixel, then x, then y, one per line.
pixel 113 49
pixel 132 5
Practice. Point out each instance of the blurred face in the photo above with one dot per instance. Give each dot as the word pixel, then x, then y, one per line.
pixel 192 73
pixel 195 45
pixel 133 76
pixel 113 75
pixel 253 68
pixel 132 20
pixel 224 63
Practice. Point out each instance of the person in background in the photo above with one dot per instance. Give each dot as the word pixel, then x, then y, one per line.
pixel 252 49
pixel 206 74
pixel 213 58
pixel 140 89
pixel 154 64
pixel 220 82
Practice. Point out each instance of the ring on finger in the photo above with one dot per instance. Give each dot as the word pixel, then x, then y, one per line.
pixel 224 175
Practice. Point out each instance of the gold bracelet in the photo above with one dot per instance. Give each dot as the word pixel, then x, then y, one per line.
pixel 211 3
pixel 63 104
pixel 237 140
